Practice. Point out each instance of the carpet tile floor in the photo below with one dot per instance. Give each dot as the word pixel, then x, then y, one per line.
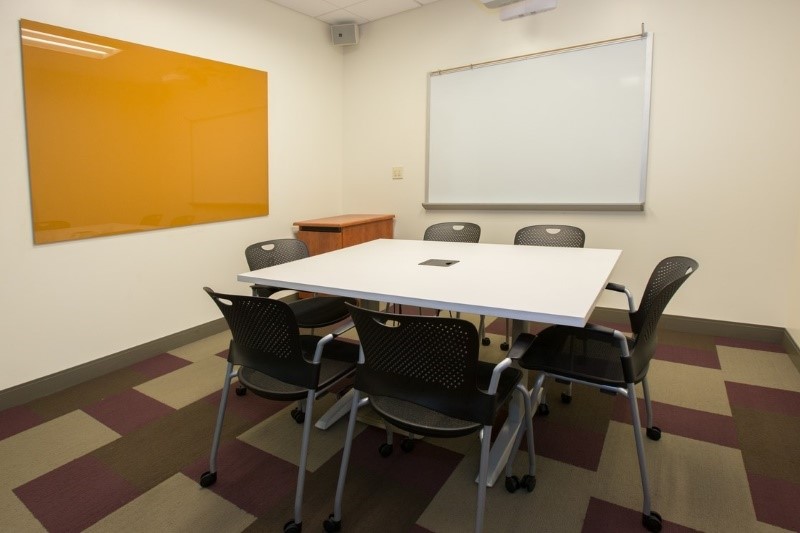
pixel 124 453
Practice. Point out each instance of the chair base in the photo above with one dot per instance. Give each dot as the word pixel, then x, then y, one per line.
pixel 292 527
pixel 208 479
pixel 513 483
pixel 330 525
pixel 652 522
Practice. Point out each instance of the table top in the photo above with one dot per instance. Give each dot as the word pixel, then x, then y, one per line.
pixel 342 221
pixel 542 284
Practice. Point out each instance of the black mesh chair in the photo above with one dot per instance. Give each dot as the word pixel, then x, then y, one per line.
pixel 453 232
pixel 278 363
pixel 311 313
pixel 611 361
pixel 422 375
pixel 458 232
pixel 270 253
pixel 547 235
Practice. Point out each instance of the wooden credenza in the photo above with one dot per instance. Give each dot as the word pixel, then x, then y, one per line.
pixel 332 233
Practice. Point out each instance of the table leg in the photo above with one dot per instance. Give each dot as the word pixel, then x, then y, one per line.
pixel 339 409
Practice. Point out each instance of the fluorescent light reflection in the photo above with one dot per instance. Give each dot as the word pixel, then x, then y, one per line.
pixel 57 43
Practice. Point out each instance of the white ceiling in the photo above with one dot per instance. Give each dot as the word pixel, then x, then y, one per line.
pixel 349 11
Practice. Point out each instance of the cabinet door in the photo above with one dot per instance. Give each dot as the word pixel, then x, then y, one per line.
pixel 319 242
pixel 382 229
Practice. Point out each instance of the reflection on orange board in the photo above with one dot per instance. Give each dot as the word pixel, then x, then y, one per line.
pixel 125 138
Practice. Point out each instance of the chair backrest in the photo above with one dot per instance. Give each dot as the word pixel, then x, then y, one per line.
pixel 266 338
pixel 666 279
pixel 427 360
pixel 551 235
pixel 453 232
pixel 275 252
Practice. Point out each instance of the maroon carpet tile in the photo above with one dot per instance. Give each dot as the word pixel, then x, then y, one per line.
pixel 86 393
pixel 18 419
pixel 76 495
pixel 424 470
pixel 248 477
pixel 763 398
pixel 605 517
pixel 249 406
pixel 159 365
pixel 496 327
pixel 569 444
pixel 688 356
pixel 675 420
pixel 127 411
pixel 776 501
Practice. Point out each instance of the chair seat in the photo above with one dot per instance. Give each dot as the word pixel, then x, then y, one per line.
pixel 320 311
pixel 338 360
pixel 574 353
pixel 420 420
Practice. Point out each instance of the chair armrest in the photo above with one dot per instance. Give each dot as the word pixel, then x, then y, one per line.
pixel 607 335
pixel 521 345
pixel 613 336
pixel 617 287
pixel 498 370
pixel 328 338
pixel 599 331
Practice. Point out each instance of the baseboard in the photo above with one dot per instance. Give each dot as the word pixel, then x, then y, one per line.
pixel 38 388
pixel 703 326
pixel 70 377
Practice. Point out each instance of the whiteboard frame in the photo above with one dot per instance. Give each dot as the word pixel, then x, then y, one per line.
pixel 551 206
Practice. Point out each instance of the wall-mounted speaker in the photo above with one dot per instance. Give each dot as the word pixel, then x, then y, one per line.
pixel 343 34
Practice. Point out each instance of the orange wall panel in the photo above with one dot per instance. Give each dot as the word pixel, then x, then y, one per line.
pixel 138 139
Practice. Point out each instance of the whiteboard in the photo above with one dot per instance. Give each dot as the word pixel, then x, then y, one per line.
pixel 565 130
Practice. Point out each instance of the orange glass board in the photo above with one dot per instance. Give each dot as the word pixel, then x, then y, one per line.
pixel 124 137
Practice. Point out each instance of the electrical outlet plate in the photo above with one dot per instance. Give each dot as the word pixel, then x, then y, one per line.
pixel 397 173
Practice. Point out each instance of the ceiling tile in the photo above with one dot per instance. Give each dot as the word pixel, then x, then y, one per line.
pixel 312 8
pixel 375 9
pixel 350 11
pixel 342 16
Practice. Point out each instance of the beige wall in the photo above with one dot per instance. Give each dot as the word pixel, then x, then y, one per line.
pixel 793 320
pixel 724 167
pixel 722 187
pixel 69 303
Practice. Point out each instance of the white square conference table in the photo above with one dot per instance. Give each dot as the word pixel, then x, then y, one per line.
pixel 524 283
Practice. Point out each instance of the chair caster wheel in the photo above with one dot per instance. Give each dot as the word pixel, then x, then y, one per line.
pixel 406 445
pixel 385 449
pixel 330 525
pixel 292 527
pixel 241 391
pixel 486 341
pixel 298 415
pixel 654 433
pixel 208 479
pixel 566 398
pixel 543 409
pixel 512 484
pixel 652 522
pixel 528 482
pixel 504 346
